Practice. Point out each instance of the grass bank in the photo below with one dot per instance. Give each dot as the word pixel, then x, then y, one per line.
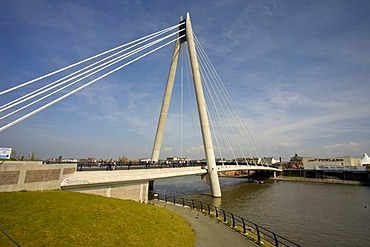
pixel 59 218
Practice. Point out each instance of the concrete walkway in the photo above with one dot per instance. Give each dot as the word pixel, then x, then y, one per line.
pixel 208 231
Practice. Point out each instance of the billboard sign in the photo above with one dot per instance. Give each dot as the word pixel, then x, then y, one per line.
pixel 5 153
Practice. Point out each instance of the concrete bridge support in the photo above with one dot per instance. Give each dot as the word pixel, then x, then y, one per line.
pixel 166 103
pixel 212 176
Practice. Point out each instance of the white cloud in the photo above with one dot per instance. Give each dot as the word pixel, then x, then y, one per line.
pixel 351 147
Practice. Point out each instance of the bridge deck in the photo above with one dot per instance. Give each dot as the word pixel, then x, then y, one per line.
pixel 93 178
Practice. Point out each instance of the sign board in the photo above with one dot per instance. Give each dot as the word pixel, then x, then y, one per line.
pixel 5 153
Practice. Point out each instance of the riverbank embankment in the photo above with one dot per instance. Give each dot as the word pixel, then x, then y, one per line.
pixel 318 180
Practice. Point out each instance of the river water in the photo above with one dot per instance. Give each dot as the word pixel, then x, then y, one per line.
pixel 306 213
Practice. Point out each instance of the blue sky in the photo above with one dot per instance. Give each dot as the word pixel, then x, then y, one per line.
pixel 299 70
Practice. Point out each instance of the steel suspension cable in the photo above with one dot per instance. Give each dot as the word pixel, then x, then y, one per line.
pixel 209 94
pixel 191 100
pixel 221 101
pixel 50 86
pixel 236 113
pixel 208 90
pixel 108 64
pixel 78 63
pixel 231 103
pixel 83 86
pixel 213 94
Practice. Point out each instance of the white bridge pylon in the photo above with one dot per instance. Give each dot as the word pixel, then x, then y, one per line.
pixel 212 175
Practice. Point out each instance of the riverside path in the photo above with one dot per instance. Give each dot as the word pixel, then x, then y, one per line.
pixel 208 231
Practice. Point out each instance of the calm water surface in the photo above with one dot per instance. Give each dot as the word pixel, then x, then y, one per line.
pixel 308 214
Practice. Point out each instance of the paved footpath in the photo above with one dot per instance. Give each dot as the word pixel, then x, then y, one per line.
pixel 208 231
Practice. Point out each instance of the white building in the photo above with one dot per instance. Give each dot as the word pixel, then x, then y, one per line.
pixel 365 160
pixel 312 162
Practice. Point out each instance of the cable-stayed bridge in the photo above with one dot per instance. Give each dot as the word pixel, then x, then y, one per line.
pixel 223 129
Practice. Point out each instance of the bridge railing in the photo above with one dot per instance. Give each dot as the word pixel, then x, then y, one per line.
pixel 256 233
pixel 84 166
pixel 93 166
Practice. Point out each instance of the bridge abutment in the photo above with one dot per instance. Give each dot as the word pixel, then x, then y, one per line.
pixel 136 191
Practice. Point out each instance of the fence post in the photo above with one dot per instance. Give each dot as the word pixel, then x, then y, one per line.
pixel 165 198
pixel 174 200
pixel 209 209
pixel 224 215
pixel 276 241
pixel 216 212
pixel 258 234
pixel 244 228
pixel 201 206
pixel 232 216
pixel 183 202
pixel 192 204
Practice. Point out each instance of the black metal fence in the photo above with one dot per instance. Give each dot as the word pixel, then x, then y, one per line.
pixel 10 238
pixel 83 166
pixel 249 229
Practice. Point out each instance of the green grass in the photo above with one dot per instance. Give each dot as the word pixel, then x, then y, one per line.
pixel 59 218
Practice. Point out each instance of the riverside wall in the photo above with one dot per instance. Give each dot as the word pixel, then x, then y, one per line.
pixel 33 175
pixel 319 180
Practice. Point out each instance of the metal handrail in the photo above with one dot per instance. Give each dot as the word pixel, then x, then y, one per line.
pixel 251 230
pixel 89 166
pixel 10 238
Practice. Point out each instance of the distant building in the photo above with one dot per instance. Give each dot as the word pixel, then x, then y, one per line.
pixel 123 159
pixel 61 160
pixel 296 161
pixel 177 160
pixel 313 162
pixel 365 161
